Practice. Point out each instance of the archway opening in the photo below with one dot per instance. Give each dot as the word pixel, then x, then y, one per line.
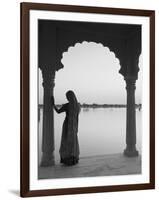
pixel 91 71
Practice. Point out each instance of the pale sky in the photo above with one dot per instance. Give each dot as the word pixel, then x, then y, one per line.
pixel 91 71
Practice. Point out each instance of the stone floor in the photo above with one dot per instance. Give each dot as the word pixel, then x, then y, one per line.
pixel 105 165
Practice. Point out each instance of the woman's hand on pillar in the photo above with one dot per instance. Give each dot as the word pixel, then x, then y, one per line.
pixel 52 100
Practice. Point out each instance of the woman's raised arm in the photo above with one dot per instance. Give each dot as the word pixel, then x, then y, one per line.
pixel 62 109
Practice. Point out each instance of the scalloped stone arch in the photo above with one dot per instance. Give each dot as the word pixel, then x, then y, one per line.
pixel 99 43
pixel 110 46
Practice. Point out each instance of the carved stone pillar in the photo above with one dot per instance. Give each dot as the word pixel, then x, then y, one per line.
pixel 130 150
pixel 48 118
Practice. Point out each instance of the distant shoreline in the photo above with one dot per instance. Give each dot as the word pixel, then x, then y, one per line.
pixel 94 105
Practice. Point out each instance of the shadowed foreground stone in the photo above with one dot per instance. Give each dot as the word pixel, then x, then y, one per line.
pixel 104 165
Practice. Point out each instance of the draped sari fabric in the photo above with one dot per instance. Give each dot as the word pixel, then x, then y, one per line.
pixel 69 149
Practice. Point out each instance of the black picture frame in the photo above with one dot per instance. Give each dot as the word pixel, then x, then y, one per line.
pixel 25 93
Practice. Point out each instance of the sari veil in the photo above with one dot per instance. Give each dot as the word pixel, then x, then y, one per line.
pixel 74 108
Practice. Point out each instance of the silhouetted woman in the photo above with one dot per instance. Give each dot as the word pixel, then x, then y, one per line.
pixel 69 149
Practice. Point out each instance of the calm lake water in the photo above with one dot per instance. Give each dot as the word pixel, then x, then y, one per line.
pixel 101 131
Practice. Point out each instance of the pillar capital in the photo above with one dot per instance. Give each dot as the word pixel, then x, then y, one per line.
pixel 130 83
pixel 48 75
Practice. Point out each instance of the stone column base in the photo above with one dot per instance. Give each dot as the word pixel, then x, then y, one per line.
pixel 131 152
pixel 47 160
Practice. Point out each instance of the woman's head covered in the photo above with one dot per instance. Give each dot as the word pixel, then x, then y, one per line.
pixel 71 96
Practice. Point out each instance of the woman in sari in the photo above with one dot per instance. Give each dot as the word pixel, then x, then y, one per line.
pixel 69 148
